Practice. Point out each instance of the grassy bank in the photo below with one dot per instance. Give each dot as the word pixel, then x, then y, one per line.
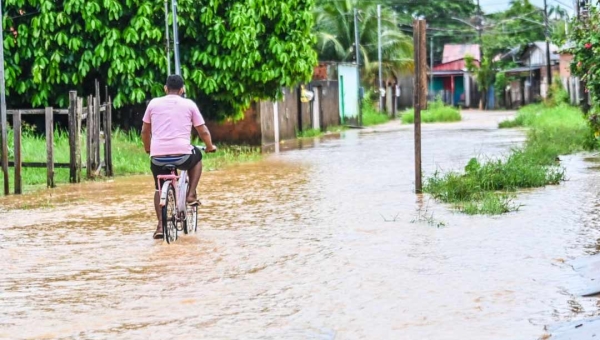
pixel 487 186
pixel 436 112
pixel 129 157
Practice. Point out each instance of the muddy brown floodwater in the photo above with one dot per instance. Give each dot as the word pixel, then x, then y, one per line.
pixel 322 241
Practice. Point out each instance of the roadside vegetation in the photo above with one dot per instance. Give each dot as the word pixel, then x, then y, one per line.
pixel 370 111
pixel 488 186
pixel 436 111
pixel 129 157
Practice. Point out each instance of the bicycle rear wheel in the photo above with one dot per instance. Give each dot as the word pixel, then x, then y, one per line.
pixel 169 215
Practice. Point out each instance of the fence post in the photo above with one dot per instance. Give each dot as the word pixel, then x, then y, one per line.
pixel 96 133
pixel 79 115
pixel 89 131
pixel 50 147
pixel 107 138
pixel 72 138
pixel 18 159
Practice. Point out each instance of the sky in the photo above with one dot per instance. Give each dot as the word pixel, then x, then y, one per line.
pixel 490 6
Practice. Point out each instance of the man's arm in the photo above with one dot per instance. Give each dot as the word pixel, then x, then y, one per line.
pixel 205 136
pixel 146 136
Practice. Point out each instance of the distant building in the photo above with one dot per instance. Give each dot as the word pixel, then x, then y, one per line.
pixel 451 81
pixel 528 80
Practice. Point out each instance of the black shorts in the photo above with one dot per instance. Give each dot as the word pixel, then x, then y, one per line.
pixel 182 162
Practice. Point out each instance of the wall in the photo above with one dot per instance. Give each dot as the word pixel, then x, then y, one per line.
pixel 330 106
pixel 406 92
pixel 565 65
pixel 266 112
pixel 288 114
pixel 246 131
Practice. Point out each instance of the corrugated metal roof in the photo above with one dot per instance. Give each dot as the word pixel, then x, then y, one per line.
pixel 454 52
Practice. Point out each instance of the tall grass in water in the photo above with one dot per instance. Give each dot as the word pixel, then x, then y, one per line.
pixel 437 111
pixel 488 186
pixel 129 157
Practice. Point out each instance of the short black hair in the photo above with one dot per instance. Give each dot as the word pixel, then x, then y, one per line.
pixel 174 82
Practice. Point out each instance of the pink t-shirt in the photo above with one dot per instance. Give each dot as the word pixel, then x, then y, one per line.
pixel 172 118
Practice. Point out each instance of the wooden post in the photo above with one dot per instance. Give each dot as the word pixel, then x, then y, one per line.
pixel 18 159
pixel 89 128
pixel 50 147
pixel 72 137
pixel 107 138
pixel 79 115
pixel 95 134
pixel 420 94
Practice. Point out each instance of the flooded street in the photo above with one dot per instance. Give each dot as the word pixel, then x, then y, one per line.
pixel 325 240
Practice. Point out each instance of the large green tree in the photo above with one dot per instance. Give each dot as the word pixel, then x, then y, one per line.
pixel 520 24
pixel 334 30
pixel 439 15
pixel 232 52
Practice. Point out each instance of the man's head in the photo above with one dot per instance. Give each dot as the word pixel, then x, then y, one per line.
pixel 174 85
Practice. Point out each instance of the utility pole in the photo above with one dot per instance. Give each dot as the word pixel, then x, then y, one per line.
pixel 548 61
pixel 3 107
pixel 379 55
pixel 167 36
pixel 176 38
pixel 357 49
pixel 420 93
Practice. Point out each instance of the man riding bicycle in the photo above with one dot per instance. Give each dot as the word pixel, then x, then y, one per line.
pixel 166 129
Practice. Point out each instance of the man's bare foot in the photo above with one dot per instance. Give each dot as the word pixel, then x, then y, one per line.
pixel 158 234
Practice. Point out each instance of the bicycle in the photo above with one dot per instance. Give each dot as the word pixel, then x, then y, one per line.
pixel 177 215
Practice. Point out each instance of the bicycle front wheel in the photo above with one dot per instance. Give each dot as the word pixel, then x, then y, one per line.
pixel 169 215
pixel 191 224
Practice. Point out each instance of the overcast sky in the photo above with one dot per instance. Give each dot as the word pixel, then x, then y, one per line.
pixel 490 6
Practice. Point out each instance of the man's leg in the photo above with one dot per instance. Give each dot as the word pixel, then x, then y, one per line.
pixel 159 229
pixel 158 211
pixel 194 174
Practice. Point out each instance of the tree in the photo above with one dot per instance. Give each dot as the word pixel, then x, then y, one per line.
pixel 585 37
pixel 439 15
pixel 521 24
pixel 334 31
pixel 484 75
pixel 232 52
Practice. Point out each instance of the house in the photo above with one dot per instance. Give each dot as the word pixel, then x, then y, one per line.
pixel 572 84
pixel 450 79
pixel 528 81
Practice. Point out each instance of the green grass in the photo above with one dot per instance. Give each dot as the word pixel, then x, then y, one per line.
pixel 436 112
pixel 310 133
pixel 487 186
pixel 129 157
pixel 370 113
pixel 370 116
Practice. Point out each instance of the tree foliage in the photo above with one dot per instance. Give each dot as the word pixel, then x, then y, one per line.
pixel 520 24
pixel 439 15
pixel 484 75
pixel 232 52
pixel 334 31
pixel 585 37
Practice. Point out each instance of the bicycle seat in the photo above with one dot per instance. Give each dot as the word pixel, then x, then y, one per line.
pixel 170 167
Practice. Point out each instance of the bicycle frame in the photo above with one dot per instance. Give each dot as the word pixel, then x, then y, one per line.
pixel 180 189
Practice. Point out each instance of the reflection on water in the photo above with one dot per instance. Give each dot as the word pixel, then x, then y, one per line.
pixel 315 242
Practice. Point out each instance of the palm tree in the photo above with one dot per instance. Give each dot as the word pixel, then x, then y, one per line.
pixel 334 29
